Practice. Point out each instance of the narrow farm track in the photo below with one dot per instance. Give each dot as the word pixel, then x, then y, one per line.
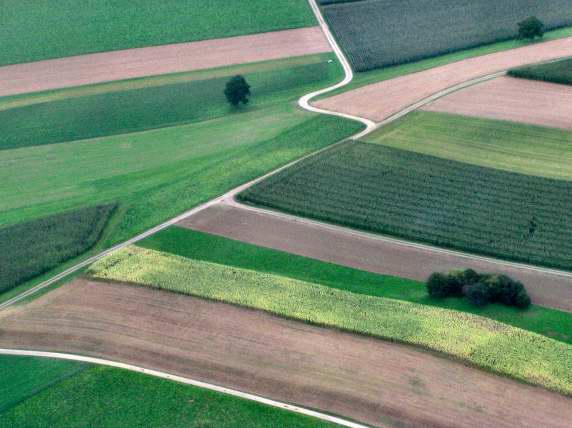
pixel 176 58
pixel 371 381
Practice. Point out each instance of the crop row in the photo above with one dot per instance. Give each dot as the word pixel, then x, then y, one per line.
pixel 428 199
pixel 30 249
pixel 486 343
pixel 377 33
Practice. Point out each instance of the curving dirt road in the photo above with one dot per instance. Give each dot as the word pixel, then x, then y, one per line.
pixel 368 380
pixel 379 101
pixel 516 100
pixel 140 62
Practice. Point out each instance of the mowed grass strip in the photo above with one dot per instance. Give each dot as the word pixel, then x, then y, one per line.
pixel 476 340
pixel 428 199
pixel 554 72
pixel 25 377
pixel 108 397
pixel 215 249
pixel 378 33
pixel 509 146
pixel 143 104
pixel 32 248
pixel 33 31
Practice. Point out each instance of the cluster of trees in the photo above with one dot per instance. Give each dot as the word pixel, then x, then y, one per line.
pixel 531 28
pixel 479 289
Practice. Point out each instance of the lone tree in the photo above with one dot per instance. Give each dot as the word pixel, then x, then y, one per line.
pixel 531 28
pixel 237 91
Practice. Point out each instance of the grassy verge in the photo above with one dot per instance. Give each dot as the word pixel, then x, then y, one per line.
pixel 33 31
pixel 509 146
pixel 154 102
pixel 386 73
pixel 554 72
pixel 35 247
pixel 210 248
pixel 109 397
pixel 427 199
pixel 485 343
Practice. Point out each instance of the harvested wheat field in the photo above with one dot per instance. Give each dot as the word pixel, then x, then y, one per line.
pixel 133 63
pixel 372 381
pixel 381 100
pixel 516 100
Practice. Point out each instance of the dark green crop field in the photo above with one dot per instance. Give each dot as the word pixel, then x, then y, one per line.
pixel 107 109
pixel 37 392
pixel 32 248
pixel 33 30
pixel 428 199
pixel 554 72
pixel 378 33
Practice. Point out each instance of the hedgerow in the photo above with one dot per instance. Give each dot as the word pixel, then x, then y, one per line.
pixel 428 199
pixel 377 33
pixel 486 343
pixel 30 249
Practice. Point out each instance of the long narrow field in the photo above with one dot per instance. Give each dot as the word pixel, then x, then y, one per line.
pixel 378 101
pixel 39 392
pixel 554 72
pixel 366 379
pixel 32 31
pixel 525 149
pixel 134 63
pixel 428 199
pixel 516 100
pixel 377 33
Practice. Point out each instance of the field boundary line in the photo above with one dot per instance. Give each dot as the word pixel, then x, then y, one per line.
pixel 186 381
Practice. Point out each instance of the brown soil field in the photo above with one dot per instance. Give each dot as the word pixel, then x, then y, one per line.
pixel 379 101
pixel 517 100
pixel 376 382
pixel 133 63
pixel 364 251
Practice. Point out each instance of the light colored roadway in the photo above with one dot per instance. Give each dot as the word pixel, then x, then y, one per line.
pixel 140 62
pixel 372 381
pixel 515 100
pixel 380 101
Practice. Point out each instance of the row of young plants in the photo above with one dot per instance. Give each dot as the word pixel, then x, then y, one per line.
pixel 379 33
pixel 32 248
pixel 428 199
pixel 476 340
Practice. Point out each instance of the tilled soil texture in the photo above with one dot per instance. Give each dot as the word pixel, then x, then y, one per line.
pixel 379 383
pixel 381 100
pixel 364 251
pixel 517 100
pixel 133 63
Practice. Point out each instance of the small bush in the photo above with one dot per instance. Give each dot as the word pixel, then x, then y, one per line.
pixel 480 289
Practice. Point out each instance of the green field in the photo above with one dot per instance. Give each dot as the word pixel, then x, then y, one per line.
pixel 210 248
pixel 153 102
pixel 33 30
pixel 554 72
pixel 156 174
pixel 509 146
pixel 428 199
pixel 49 393
pixel 35 247
pixel 380 33
pixel 485 343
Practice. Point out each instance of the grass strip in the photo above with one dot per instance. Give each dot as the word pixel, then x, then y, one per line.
pixel 488 344
pixel 109 397
pixel 210 248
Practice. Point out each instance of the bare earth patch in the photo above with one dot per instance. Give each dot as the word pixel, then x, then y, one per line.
pixel 381 100
pixel 369 380
pixel 133 63
pixel 517 100
pixel 346 247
